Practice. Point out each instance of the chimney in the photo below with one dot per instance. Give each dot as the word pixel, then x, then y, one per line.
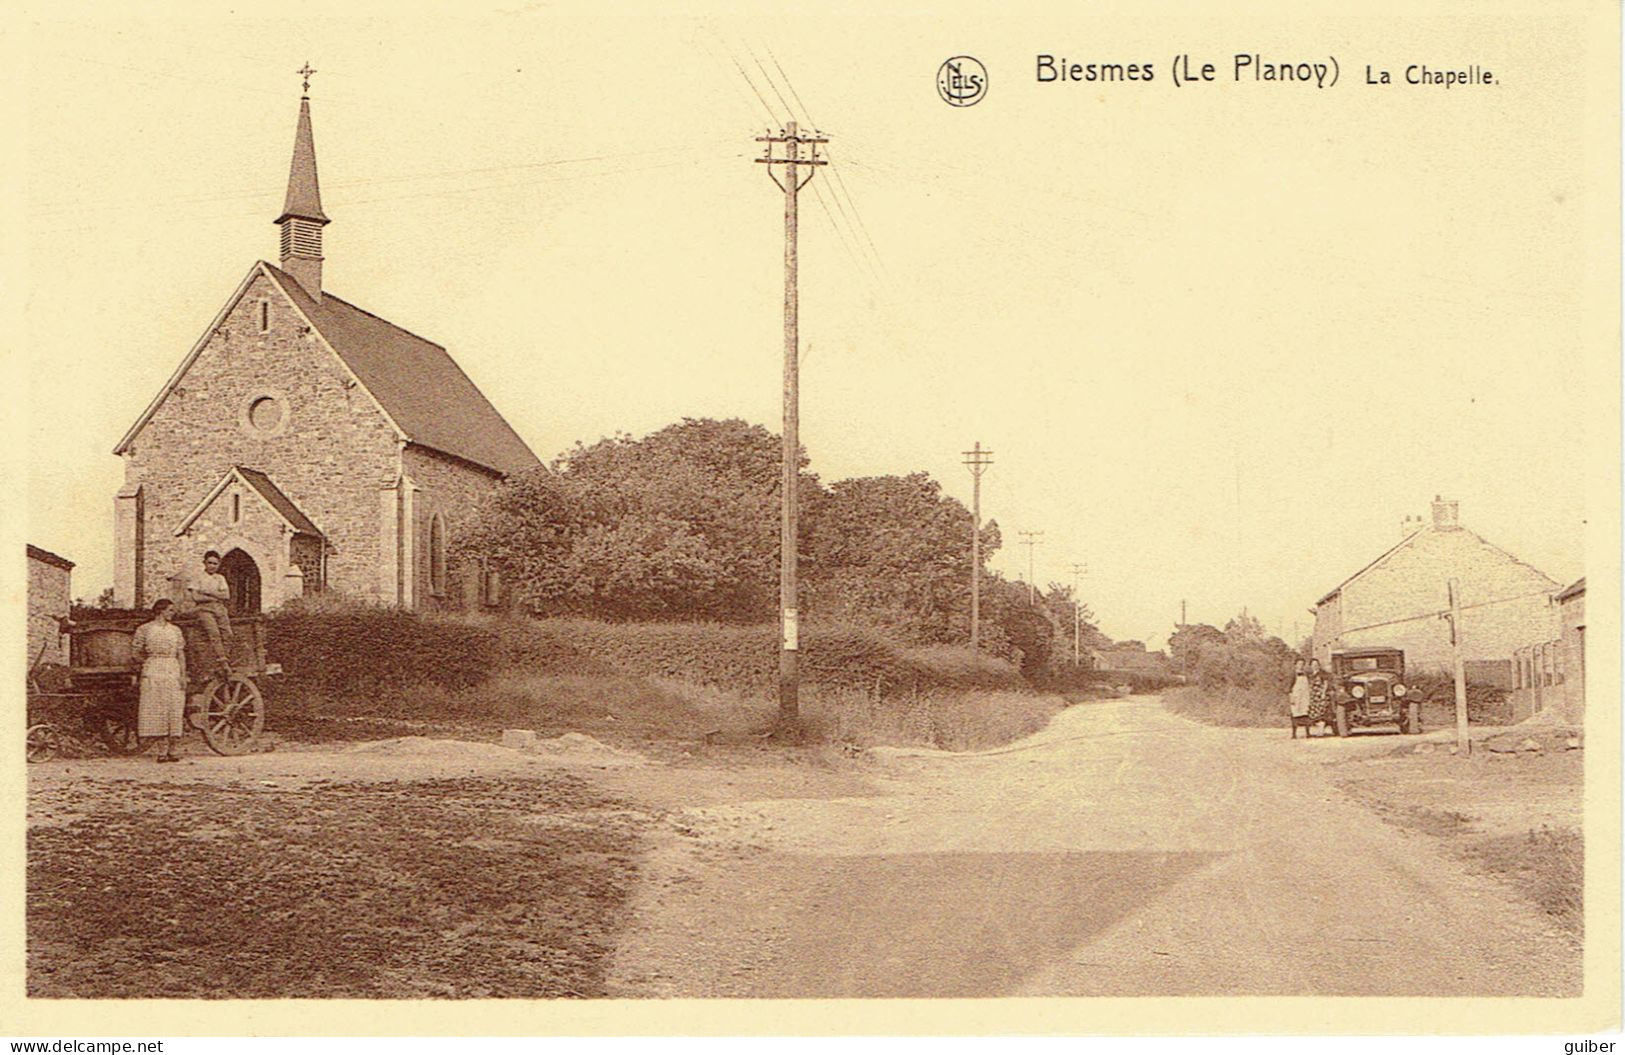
pixel 1445 516
pixel 302 218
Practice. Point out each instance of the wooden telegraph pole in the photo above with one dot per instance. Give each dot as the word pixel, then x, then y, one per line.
pixel 1031 539
pixel 1077 615
pixel 791 184
pixel 977 460
pixel 1462 742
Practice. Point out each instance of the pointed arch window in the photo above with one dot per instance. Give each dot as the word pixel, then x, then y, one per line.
pixel 437 555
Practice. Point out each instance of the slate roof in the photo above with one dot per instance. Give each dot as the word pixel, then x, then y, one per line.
pixel 1412 537
pixel 304 197
pixel 1575 590
pixel 418 383
pixel 45 556
pixel 279 501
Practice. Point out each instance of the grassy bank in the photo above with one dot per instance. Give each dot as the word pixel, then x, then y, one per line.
pixel 1229 705
pixel 669 710
pixel 1516 817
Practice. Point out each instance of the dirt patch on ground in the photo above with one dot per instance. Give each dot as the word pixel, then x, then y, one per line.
pixel 1516 817
pixel 473 887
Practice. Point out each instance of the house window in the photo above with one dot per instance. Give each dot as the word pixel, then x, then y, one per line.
pixel 236 508
pixel 491 587
pixel 437 555
pixel 265 316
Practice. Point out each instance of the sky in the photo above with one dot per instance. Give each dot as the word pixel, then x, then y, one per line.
pixel 1220 340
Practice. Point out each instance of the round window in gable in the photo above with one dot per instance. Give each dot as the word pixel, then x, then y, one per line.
pixel 265 413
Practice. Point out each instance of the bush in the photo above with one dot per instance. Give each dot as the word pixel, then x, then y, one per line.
pixel 334 650
pixel 366 653
pixel 1230 705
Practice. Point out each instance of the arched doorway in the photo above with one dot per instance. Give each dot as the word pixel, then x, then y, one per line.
pixel 243 576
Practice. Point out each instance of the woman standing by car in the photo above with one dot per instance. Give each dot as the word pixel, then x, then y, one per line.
pixel 1320 697
pixel 1299 699
pixel 160 650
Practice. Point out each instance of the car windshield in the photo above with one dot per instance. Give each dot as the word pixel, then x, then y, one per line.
pixel 1357 664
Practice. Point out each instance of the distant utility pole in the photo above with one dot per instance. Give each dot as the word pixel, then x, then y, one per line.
pixel 791 184
pixel 1454 588
pixel 1078 570
pixel 1182 623
pixel 1031 539
pixel 978 460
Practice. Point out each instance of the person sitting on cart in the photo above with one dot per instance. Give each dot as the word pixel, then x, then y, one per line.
pixel 159 650
pixel 211 594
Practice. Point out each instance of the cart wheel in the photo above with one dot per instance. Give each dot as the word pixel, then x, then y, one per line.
pixel 43 742
pixel 117 731
pixel 233 715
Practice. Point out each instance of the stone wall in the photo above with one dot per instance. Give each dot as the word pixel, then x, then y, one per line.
pixel 279 401
pixel 1506 603
pixel 50 593
pixel 452 489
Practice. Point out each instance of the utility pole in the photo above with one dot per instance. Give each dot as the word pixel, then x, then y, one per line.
pixel 1030 539
pixel 791 184
pixel 978 460
pixel 1078 570
pixel 1463 745
pixel 1182 622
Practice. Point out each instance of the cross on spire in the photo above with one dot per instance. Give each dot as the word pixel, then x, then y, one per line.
pixel 305 72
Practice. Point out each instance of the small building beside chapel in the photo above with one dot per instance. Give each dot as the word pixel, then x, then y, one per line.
pixel 1396 601
pixel 50 597
pixel 313 444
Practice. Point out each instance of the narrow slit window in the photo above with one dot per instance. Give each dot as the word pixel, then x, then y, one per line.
pixel 265 316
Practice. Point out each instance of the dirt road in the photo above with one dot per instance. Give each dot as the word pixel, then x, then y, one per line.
pixel 1122 851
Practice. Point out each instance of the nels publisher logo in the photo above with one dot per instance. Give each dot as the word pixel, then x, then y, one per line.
pixel 962 81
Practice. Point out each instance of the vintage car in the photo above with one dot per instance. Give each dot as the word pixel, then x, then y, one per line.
pixel 1368 688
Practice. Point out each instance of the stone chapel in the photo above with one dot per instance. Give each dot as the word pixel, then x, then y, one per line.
pixel 311 443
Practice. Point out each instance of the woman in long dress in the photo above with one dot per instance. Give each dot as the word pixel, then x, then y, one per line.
pixel 1299 699
pixel 160 649
pixel 1320 696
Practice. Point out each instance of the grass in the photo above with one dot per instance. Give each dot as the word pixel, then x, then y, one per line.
pixel 1547 864
pixel 648 710
pixel 441 888
pixel 960 721
pixel 1229 705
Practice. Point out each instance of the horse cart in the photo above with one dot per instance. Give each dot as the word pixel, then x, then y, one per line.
pixel 103 684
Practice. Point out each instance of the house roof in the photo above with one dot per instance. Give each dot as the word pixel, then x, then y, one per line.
pixel 45 556
pixel 279 501
pixel 1573 591
pixel 1412 537
pixel 416 381
pixel 418 386
pixel 267 490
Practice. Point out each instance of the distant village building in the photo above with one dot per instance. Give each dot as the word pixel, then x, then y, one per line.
pixel 50 593
pixel 311 443
pixel 1395 600
pixel 1131 655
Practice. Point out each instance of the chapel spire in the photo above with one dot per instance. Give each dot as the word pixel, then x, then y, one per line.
pixel 302 218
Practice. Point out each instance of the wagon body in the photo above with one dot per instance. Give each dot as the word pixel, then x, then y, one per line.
pixel 99 655
pixel 230 710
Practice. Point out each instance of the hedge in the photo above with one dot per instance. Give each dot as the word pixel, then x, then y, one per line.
pixel 332 651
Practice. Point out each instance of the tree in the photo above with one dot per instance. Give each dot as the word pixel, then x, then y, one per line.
pixel 1187 644
pixel 1244 629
